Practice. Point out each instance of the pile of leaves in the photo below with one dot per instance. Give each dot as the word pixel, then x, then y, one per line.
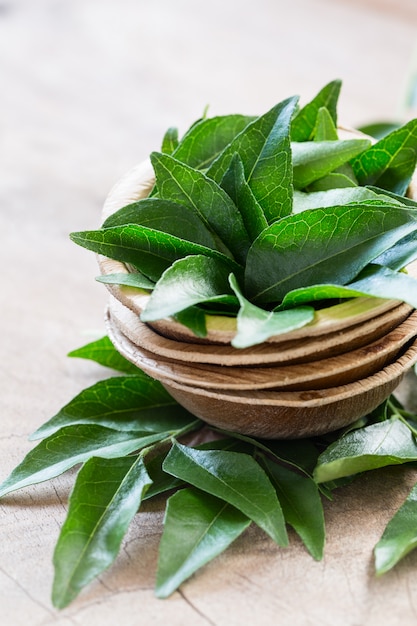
pixel 265 219
pixel 268 219
pixel 130 438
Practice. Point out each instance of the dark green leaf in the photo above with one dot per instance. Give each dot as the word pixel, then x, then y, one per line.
pixel 208 138
pixel 333 197
pixel 255 325
pixel 149 250
pixel 193 318
pixel 314 159
pixel 103 352
pixel 73 445
pixel 197 528
pixel 235 184
pixel 391 162
pixel 310 247
pixel 180 183
pixel 264 148
pixel 400 535
pixel 301 505
pixel 106 496
pixel 235 478
pixel 334 180
pixel 304 122
pixel 401 254
pixel 124 403
pixel 378 130
pixel 170 140
pixel 374 280
pixel 187 282
pixel 165 216
pixel 385 443
pixel 161 481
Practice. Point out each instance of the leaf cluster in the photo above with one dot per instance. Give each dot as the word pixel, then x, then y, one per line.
pixel 131 442
pixel 267 219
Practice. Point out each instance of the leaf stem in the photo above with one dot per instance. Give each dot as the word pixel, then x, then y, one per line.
pixel 402 415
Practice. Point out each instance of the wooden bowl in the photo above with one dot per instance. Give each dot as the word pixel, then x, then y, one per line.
pixel 307 382
pixel 284 414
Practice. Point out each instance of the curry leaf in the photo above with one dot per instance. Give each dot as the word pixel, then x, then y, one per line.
pixel 304 122
pixel 105 498
pixel 293 252
pixel 234 477
pixel 301 505
pixel 170 140
pixel 391 162
pixel 399 537
pixel 255 325
pixel 313 160
pixel 102 351
pixel 189 281
pixel 235 184
pixel 70 446
pixel 181 183
pixel 386 443
pixel 127 279
pixel 197 528
pixel 264 148
pixel 124 403
pixel 208 138
pixel 325 128
pixel 149 250
pixel 165 216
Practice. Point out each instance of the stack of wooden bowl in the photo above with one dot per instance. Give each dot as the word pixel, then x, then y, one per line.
pixel 307 382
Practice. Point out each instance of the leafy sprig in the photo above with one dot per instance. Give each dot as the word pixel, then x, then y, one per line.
pixel 272 204
pixel 133 443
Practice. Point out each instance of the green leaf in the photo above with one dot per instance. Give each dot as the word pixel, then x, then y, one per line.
pixel 193 318
pixel 73 445
pixel 236 186
pixel 180 183
pixel 197 528
pixel 164 216
pixel 255 325
pixel 325 128
pixel 264 148
pixel 189 281
pixel 124 403
pixel 304 122
pixel 401 254
pixel 161 481
pixel 207 139
pixel 234 477
pixel 313 247
pixel 103 352
pixel 301 505
pixel 374 280
pixel 399 537
pixel 334 180
pixel 378 130
pixel 149 250
pixel 314 159
pixel 394 196
pixel 170 140
pixel 105 498
pixel 391 162
pixel 385 443
pixel 131 279
pixel 333 197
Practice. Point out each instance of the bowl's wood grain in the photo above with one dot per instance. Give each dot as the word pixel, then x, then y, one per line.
pixel 342 369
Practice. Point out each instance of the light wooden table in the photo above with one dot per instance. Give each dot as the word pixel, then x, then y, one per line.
pixel 88 87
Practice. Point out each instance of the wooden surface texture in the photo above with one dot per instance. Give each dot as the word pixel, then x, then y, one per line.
pixel 88 87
